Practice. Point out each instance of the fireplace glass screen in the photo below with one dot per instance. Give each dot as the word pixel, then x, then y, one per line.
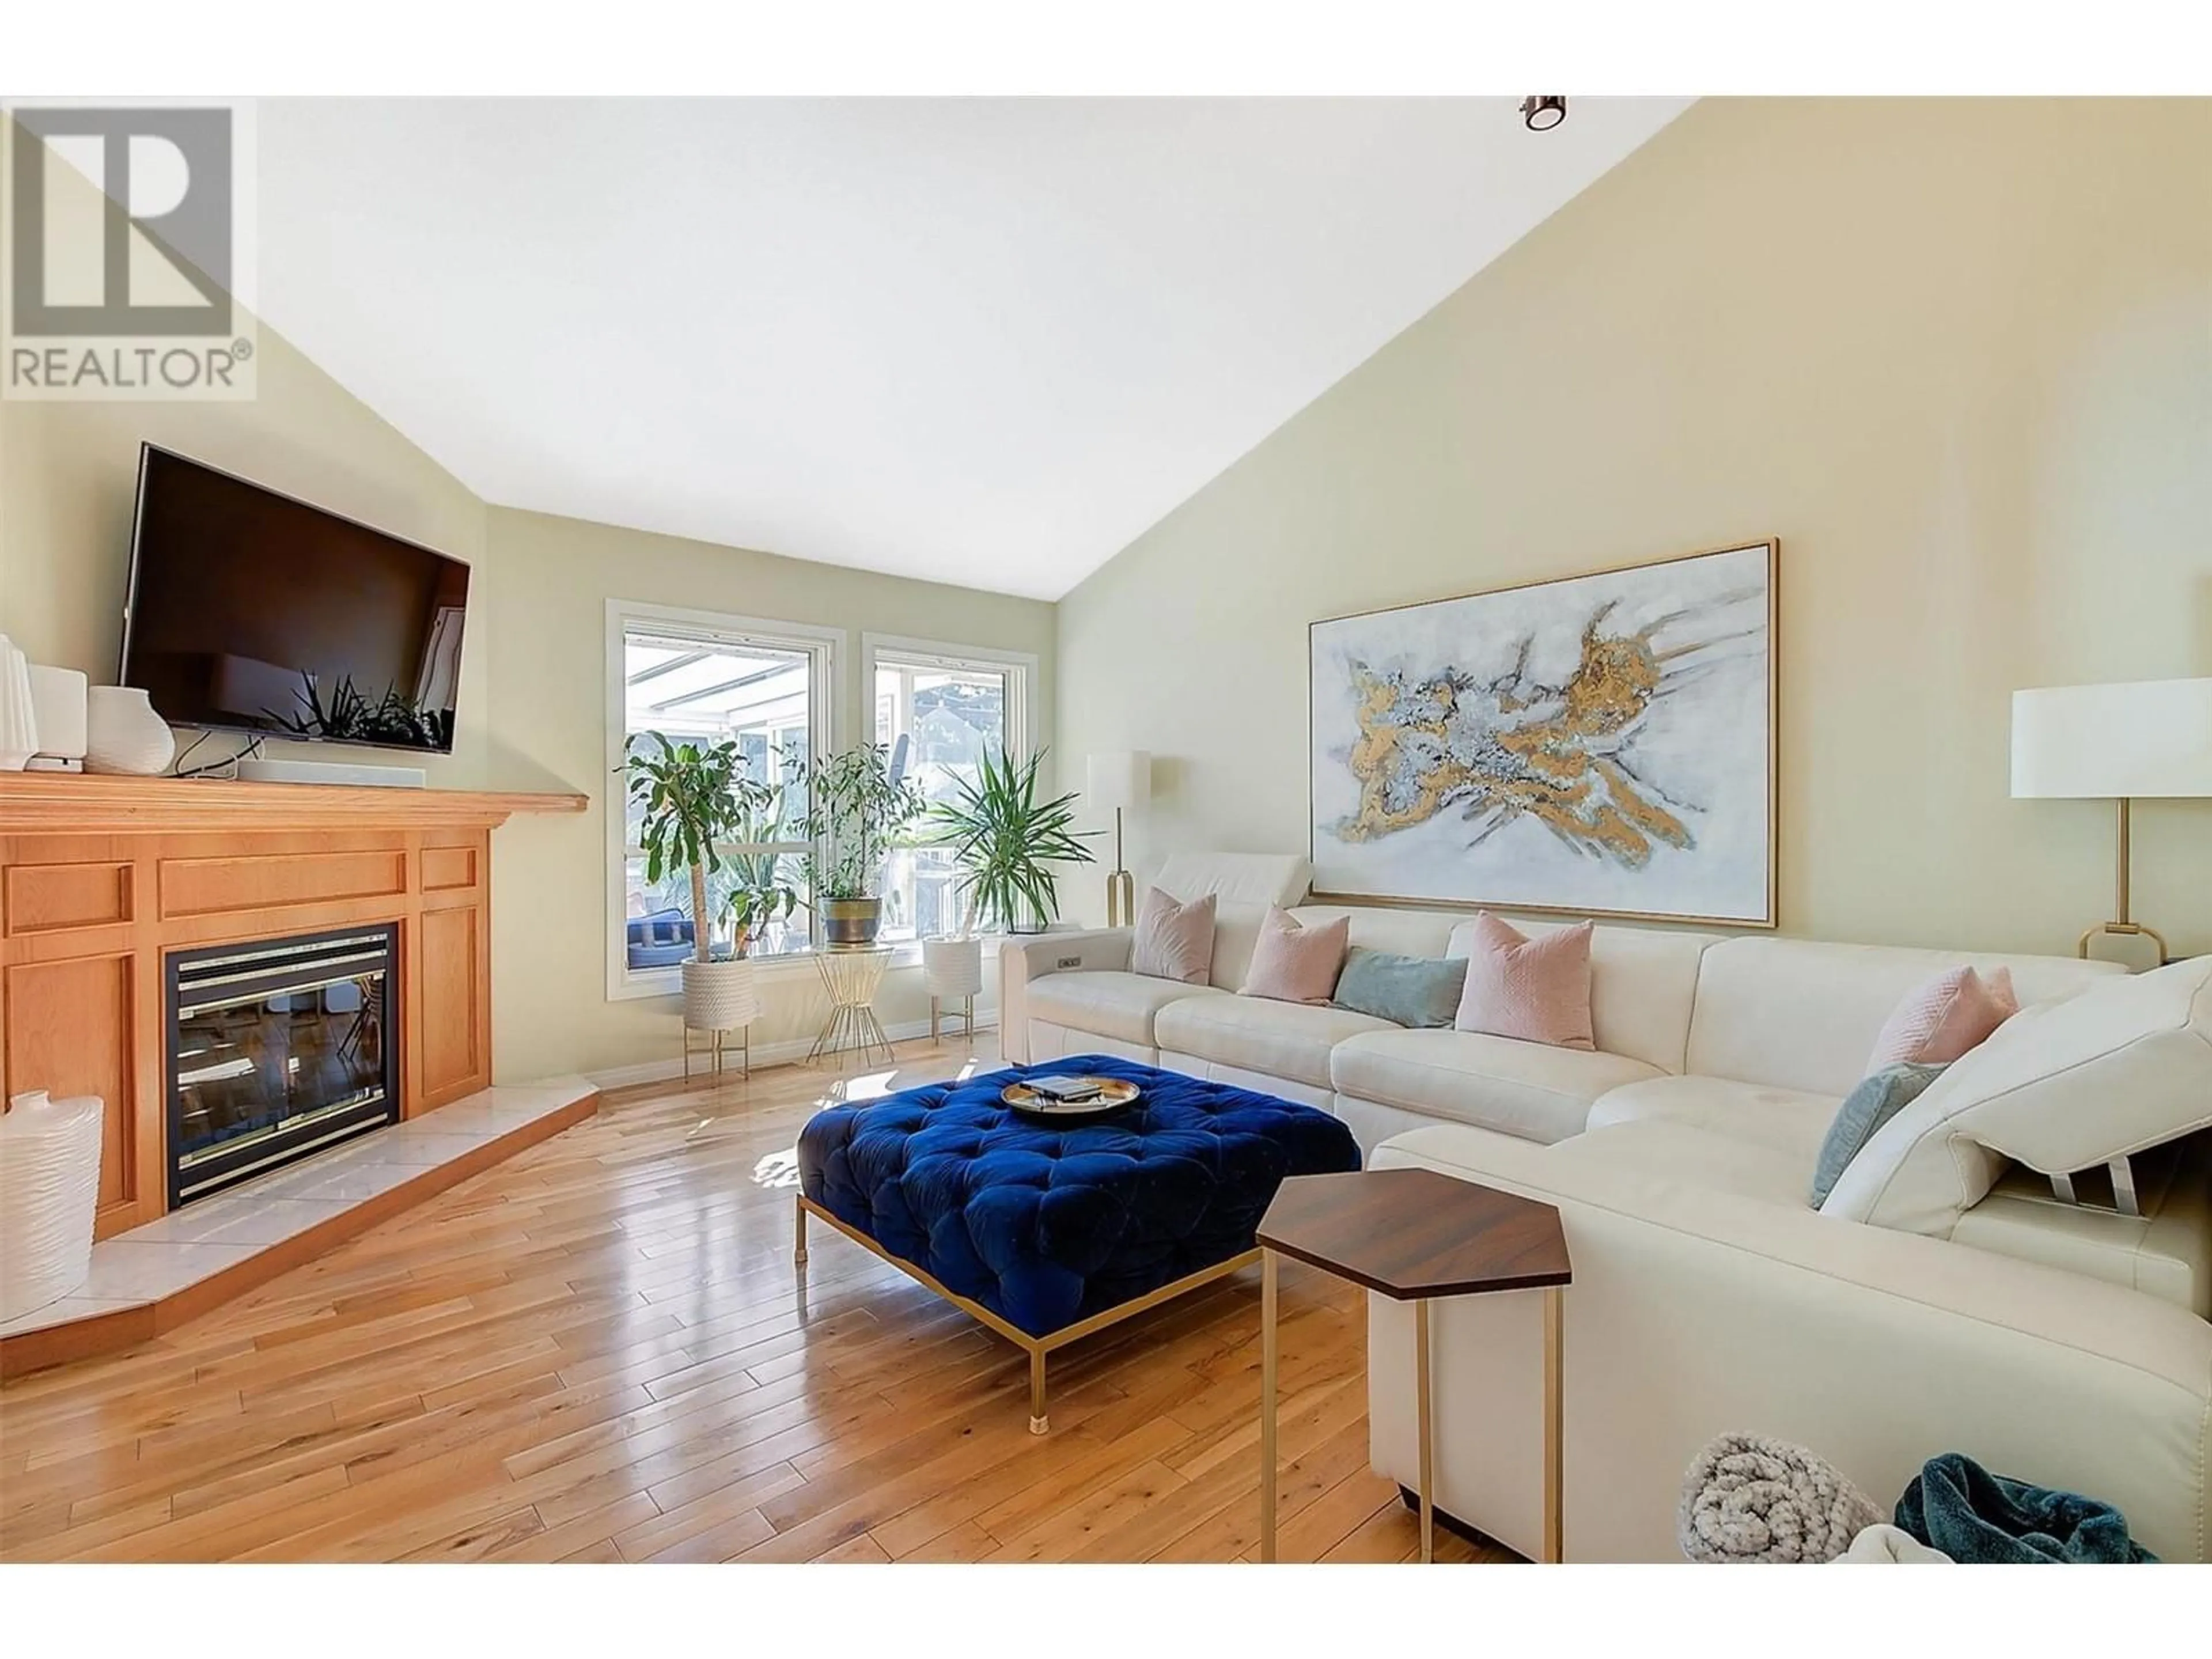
pixel 278 1051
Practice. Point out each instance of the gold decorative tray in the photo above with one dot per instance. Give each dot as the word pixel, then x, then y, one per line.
pixel 1114 1094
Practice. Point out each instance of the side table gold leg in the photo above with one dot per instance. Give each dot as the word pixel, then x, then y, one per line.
pixel 1554 1324
pixel 1421 1419
pixel 1267 1345
pixel 1039 1422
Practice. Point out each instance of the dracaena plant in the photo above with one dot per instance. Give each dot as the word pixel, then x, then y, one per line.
pixel 854 806
pixel 1006 840
pixel 693 795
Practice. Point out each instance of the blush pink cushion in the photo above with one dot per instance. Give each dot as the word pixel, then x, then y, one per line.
pixel 1292 963
pixel 1535 989
pixel 1174 941
pixel 1955 1012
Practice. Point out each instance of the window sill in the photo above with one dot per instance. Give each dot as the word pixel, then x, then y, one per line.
pixel 669 982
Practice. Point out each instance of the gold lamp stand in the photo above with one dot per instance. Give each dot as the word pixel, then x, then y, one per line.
pixel 2122 926
pixel 1119 779
pixel 1121 886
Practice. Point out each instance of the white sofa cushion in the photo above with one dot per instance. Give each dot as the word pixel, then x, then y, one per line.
pixel 1642 984
pixel 1701 1159
pixel 1113 1004
pixel 1406 932
pixel 1783 1120
pixel 1804 1014
pixel 2125 1065
pixel 1257 879
pixel 1525 1089
pixel 1281 1039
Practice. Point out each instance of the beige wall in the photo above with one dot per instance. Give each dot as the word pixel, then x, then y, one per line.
pixel 1956 356
pixel 548 910
pixel 532 685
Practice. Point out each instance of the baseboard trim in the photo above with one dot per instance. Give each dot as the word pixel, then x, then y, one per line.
pixel 789 1052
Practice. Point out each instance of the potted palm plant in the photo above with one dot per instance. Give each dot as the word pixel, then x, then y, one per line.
pixel 855 802
pixel 695 796
pixel 1006 840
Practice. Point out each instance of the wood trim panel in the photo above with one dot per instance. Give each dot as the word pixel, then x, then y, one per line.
pixel 72 1028
pixel 109 1332
pixel 445 868
pixel 264 881
pixel 45 898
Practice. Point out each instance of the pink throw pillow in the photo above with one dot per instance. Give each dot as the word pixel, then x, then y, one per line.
pixel 1293 963
pixel 1174 941
pixel 1535 989
pixel 1955 1012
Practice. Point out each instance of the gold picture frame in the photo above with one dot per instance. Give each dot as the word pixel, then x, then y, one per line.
pixel 1736 596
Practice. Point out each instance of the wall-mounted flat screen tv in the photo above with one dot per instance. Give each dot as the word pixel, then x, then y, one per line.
pixel 251 612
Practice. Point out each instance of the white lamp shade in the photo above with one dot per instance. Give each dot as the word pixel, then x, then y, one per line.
pixel 1121 777
pixel 2143 738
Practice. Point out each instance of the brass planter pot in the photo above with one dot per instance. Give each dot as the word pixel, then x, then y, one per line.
pixel 850 922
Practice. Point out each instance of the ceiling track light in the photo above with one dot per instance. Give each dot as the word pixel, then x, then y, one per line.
pixel 1542 114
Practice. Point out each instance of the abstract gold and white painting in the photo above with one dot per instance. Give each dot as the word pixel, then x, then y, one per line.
pixel 1601 744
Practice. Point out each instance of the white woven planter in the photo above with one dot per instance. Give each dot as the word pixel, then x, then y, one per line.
pixel 720 996
pixel 953 967
pixel 49 1187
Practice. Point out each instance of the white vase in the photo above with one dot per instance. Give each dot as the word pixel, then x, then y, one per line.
pixel 124 734
pixel 19 731
pixel 720 996
pixel 49 1190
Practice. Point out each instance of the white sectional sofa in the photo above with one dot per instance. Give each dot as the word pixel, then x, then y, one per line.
pixel 1953 1303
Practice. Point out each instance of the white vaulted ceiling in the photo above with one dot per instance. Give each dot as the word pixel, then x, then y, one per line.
pixel 980 341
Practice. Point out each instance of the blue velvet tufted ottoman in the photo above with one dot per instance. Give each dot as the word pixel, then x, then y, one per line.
pixel 1048 1233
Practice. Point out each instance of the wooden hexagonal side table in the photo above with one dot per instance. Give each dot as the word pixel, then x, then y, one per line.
pixel 1413 1236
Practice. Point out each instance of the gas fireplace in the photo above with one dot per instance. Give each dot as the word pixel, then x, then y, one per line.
pixel 278 1051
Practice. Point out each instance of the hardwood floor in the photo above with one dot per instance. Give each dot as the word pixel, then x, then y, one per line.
pixel 599 1351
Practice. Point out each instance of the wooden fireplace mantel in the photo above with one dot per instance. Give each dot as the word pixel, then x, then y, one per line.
pixel 101 877
pixel 73 802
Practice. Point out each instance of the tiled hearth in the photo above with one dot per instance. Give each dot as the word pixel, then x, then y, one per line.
pixel 193 1245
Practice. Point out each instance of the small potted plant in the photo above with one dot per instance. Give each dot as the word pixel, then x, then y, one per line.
pixel 1006 840
pixel 855 802
pixel 693 796
pixel 758 896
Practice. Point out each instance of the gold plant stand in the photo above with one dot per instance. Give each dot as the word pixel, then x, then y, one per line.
pixel 852 978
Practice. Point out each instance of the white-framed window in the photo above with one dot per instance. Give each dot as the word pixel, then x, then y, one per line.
pixel 702 675
pixel 950 704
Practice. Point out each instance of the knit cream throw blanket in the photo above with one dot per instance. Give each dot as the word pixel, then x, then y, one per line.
pixel 1750 1499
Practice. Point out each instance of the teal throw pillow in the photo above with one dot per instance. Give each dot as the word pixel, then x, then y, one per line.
pixel 1415 991
pixel 1879 1096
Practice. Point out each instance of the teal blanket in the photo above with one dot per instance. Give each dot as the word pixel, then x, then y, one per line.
pixel 1957 1506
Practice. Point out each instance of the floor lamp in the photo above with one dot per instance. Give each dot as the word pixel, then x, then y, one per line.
pixel 2137 740
pixel 1119 779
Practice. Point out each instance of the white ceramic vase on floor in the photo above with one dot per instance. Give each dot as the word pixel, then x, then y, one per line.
pixel 19 731
pixel 48 1188
pixel 124 734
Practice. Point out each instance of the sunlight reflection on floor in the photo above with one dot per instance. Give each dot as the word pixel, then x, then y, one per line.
pixel 778 1168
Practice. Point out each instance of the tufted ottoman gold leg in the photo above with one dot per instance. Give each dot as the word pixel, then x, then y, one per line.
pixel 798 1249
pixel 1039 1423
